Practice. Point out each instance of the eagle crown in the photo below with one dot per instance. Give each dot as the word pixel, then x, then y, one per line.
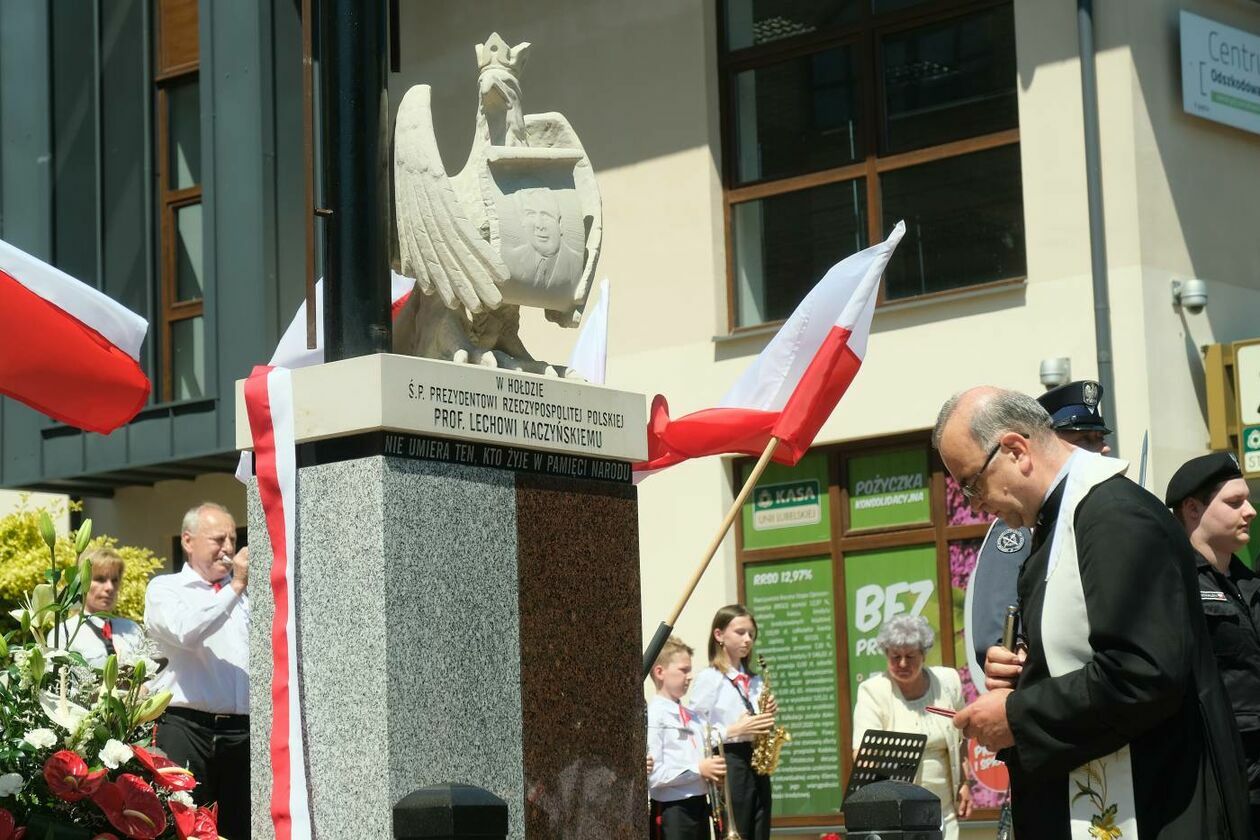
pixel 495 52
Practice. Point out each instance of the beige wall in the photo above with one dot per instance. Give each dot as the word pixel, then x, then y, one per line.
pixel 11 500
pixel 151 516
pixel 639 82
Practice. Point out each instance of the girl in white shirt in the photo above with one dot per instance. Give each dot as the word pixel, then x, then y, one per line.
pixel 727 693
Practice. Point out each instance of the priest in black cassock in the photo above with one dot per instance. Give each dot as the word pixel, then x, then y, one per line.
pixel 1117 726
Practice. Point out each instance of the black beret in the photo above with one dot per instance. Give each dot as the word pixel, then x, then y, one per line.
pixel 1199 474
pixel 1075 407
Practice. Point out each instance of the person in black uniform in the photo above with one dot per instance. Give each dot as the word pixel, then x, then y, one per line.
pixel 1209 496
pixel 1076 416
pixel 1119 680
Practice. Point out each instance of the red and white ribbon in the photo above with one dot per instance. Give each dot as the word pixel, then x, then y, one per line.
pixel 269 404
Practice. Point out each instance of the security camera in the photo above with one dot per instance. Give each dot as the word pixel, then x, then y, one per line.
pixel 1190 294
pixel 1056 372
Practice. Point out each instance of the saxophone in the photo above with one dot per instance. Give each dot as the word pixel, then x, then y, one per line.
pixel 766 748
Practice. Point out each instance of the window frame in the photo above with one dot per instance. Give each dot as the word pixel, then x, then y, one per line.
pixel 172 309
pixel 842 540
pixel 864 36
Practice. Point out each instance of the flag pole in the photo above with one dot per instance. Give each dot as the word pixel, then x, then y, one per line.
pixel 667 627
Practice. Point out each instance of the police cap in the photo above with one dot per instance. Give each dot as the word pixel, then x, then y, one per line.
pixel 1075 407
pixel 1199 474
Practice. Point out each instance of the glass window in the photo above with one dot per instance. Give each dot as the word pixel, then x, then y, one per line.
pixel 188 357
pixel 964 222
pixel 797 116
pixel 184 102
pixel 784 244
pixel 817 133
pixel 949 80
pixel 188 253
pixel 751 22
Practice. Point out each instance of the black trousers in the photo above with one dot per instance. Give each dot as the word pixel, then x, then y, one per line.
pixel 684 819
pixel 750 793
pixel 216 749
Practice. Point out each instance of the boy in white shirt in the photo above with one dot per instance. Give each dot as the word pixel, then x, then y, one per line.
pixel 681 766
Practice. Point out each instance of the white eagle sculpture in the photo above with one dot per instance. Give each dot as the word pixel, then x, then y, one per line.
pixel 520 225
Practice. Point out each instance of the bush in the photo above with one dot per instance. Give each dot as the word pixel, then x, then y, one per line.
pixel 24 561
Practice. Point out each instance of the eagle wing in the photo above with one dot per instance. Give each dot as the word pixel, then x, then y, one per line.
pixel 438 244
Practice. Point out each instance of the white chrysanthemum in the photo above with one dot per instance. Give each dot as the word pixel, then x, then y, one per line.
pixel 10 783
pixel 115 753
pixel 183 798
pixel 40 738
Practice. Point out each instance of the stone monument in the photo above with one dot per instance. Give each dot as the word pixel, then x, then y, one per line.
pixel 466 593
pixel 466 583
pixel 519 225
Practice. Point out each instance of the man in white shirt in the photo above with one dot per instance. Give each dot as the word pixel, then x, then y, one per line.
pixel 199 618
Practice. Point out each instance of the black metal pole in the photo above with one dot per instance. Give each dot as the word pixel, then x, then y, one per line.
pixel 1097 221
pixel 353 68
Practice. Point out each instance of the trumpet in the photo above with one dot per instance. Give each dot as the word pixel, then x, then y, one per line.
pixel 720 812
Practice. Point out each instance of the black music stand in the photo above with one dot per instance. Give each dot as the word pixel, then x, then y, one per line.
pixel 886 755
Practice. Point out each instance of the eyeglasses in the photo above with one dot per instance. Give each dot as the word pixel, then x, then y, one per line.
pixel 970 488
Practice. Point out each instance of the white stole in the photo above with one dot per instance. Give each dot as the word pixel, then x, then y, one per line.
pixel 1100 792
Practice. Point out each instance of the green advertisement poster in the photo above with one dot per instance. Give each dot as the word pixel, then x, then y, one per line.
pixel 795 612
pixel 889 489
pixel 789 505
pixel 878 586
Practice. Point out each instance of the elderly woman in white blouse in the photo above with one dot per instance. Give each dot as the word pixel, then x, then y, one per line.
pixel 897 701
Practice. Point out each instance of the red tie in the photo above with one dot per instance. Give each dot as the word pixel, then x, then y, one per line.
pixel 107 630
pixel 742 681
pixel 217 586
pixel 682 713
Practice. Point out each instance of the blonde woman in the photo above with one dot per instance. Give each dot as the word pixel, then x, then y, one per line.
pixel 897 701
pixel 101 633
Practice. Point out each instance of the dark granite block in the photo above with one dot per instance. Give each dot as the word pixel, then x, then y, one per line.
pixel 460 625
pixel 581 694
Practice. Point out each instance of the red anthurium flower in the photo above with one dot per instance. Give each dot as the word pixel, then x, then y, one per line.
pixel 195 823
pixel 165 772
pixel 8 827
pixel 68 777
pixel 132 807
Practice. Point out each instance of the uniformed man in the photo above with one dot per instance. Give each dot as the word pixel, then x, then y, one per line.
pixel 1076 415
pixel 1209 496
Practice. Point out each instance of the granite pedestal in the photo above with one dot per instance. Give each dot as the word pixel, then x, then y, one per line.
pixel 463 624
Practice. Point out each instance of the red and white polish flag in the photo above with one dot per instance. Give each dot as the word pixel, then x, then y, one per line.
pixel 66 349
pixel 792 387
pixel 269 404
pixel 291 352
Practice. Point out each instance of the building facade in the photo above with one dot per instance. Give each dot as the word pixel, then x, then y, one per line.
pixel 742 146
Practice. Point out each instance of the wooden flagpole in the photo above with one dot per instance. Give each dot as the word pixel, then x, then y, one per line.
pixel 667 627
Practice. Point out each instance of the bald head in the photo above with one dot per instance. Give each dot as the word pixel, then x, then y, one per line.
pixel 999 446
pixel 986 411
